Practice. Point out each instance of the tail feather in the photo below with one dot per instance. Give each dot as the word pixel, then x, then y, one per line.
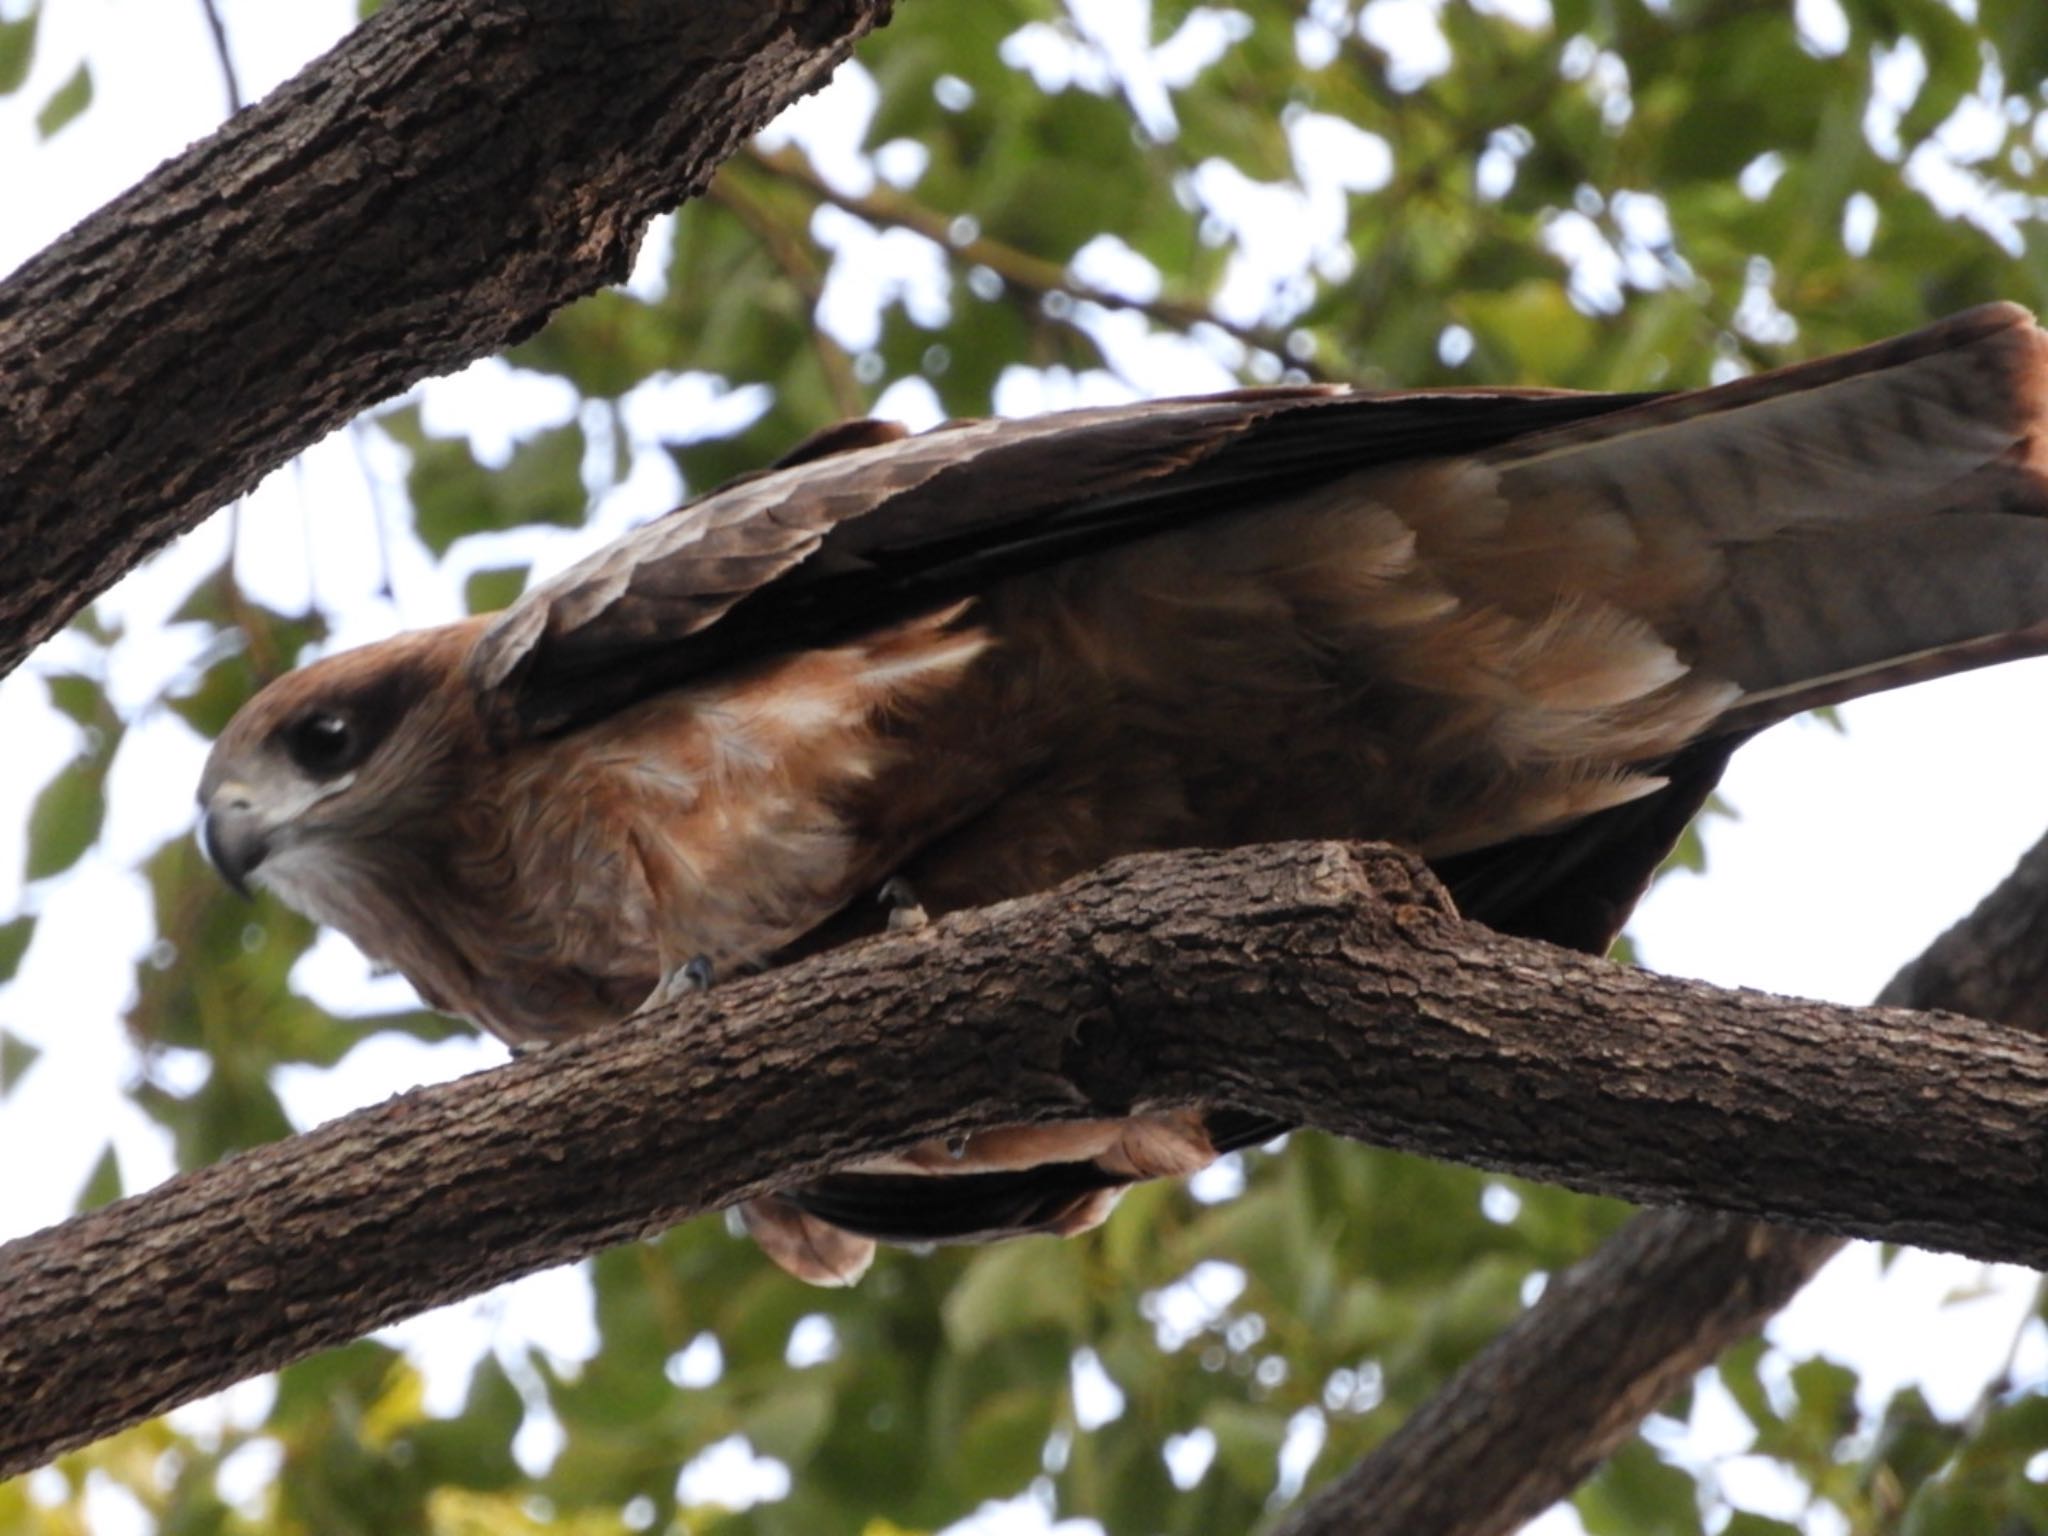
pixel 1822 531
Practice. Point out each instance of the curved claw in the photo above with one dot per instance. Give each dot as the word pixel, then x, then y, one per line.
pixel 693 977
pixel 906 912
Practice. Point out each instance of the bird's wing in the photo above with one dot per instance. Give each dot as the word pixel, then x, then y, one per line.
pixel 858 529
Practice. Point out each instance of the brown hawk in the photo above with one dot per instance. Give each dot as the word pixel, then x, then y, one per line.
pixel 1517 631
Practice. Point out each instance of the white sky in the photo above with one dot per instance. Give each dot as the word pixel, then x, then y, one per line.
pixel 1852 851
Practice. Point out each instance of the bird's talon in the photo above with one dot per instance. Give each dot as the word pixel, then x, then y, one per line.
pixel 906 912
pixel 684 981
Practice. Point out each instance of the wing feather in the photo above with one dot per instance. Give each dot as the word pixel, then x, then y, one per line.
pixel 806 554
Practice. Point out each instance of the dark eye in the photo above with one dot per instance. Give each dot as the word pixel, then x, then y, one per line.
pixel 323 743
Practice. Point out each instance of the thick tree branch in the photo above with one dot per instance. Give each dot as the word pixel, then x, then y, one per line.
pixel 1540 1407
pixel 423 195
pixel 1321 982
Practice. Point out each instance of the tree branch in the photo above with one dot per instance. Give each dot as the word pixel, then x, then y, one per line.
pixel 423 195
pixel 1531 1415
pixel 219 35
pixel 803 273
pixel 889 208
pixel 1322 982
pixel 1540 1407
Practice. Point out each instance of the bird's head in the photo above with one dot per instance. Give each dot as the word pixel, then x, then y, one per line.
pixel 334 763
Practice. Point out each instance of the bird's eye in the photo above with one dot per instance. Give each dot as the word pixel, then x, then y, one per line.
pixel 322 743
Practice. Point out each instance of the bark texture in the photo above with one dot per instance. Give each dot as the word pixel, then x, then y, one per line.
pixel 425 194
pixel 1538 1409
pixel 1322 982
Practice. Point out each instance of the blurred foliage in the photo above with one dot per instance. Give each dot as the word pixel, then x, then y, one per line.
pixel 1599 193
pixel 66 102
pixel 17 50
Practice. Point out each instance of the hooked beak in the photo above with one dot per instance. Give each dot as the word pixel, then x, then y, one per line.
pixel 232 837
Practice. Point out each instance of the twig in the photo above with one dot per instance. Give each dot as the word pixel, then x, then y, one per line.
pixel 374 484
pixel 794 257
pixel 257 635
pixel 1019 268
pixel 220 50
pixel 2000 1381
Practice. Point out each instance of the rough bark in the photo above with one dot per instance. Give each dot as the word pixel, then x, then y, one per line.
pixel 1540 1407
pixel 424 194
pixel 1994 963
pixel 1321 982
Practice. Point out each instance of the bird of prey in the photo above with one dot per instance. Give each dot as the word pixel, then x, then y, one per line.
pixel 1517 631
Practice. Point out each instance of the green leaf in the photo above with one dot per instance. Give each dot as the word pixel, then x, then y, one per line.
pixel 1248 1440
pixel 103 1184
pixel 17 50
pixel 81 698
pixel 2013 1433
pixel 454 495
pixel 1944 1509
pixel 474 1449
pixel 1913 1442
pixel 16 1057
pixel 488 591
pixel 1743 1523
pixel 1002 1444
pixel 1013 1287
pixel 1637 1494
pixel 14 937
pixel 66 102
pixel 1827 1402
pixel 1534 327
pixel 787 1423
pixel 1739 1371
pixel 66 817
pixel 607 343
pixel 308 1390
pixel 1950 45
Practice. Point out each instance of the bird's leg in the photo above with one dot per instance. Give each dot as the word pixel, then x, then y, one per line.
pixel 693 976
pixel 906 912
